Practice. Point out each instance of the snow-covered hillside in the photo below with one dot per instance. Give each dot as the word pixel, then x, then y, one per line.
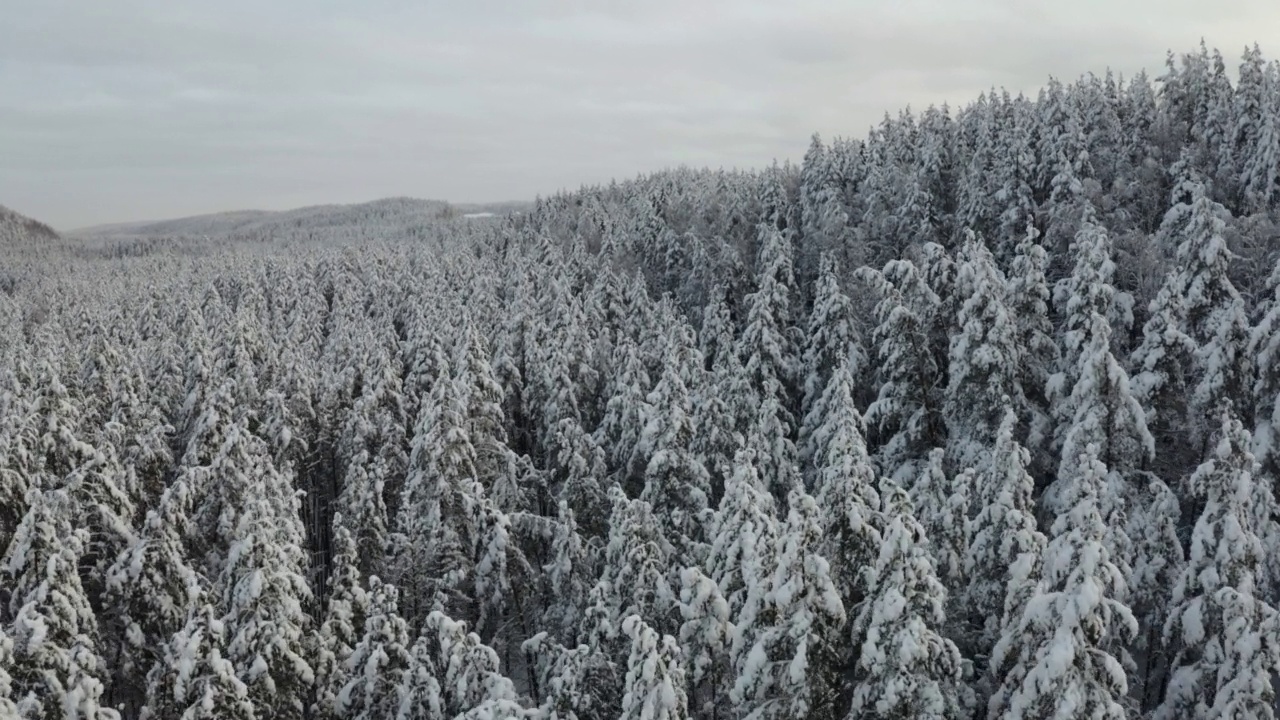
pixel 975 417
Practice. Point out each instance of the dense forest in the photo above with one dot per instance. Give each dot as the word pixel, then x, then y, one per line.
pixel 975 417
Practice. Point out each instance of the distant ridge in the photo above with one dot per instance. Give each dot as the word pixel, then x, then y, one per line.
pixel 17 229
pixel 395 211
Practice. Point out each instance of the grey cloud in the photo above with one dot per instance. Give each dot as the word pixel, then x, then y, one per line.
pixel 145 108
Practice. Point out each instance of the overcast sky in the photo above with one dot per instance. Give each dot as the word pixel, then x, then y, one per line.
pixel 142 109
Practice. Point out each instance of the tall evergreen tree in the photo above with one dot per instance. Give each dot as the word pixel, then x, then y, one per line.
pixel 1225 635
pixel 655 675
pixel 794 670
pixel 1058 659
pixel 984 359
pixel 56 669
pixel 907 668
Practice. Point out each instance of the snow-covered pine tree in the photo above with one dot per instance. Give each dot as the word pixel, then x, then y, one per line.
pixel 264 595
pixel 1059 659
pixel 831 341
pixel 741 558
pixel 379 660
pixel 1215 318
pixel 941 506
pixel 907 669
pixel 1004 545
pixel 906 416
pixel 625 417
pixel 451 673
pixel 1224 633
pixel 194 680
pixel 1157 565
pixel 346 607
pixel 1160 365
pixel 676 485
pixel 655 676
pixel 1027 298
pixel 795 668
pixel 55 665
pixel 985 357
pixel 704 640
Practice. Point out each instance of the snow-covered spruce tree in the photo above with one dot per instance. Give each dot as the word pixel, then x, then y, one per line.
pixel 717 335
pixel 16 454
pixel 346 607
pixel 264 594
pixel 721 420
pixel 8 710
pixel 583 463
pixel 1058 659
pixel 831 341
pixel 767 346
pixel 1260 171
pixel 1215 318
pixel 834 412
pixel 364 510
pixel 795 668
pixel 704 639
pixel 741 558
pixel 149 585
pixel 1087 291
pixel 372 444
pixel 846 493
pixel 1027 298
pixel 1160 365
pixel 452 673
pixel 985 357
pixel 1264 348
pixel 1110 420
pixel 636 568
pixel 1004 546
pixel 194 680
pixel 941 506
pixel 1224 633
pixel 655 676
pixel 676 484
pixel 486 421
pixel 576 684
pixel 102 493
pixel 55 666
pixel 625 417
pixel 1157 564
pixel 906 416
pixel 906 668
pixel 434 529
pixel 378 661
pixel 569 576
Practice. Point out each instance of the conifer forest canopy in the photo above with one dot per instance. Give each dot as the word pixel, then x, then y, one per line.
pixel 975 417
